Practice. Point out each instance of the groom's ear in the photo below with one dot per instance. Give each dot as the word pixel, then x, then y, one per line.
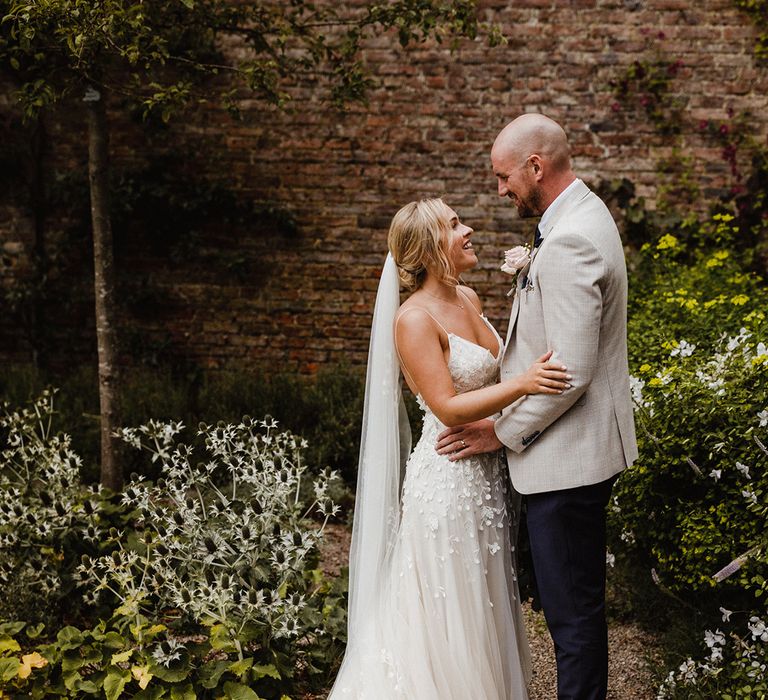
pixel 537 166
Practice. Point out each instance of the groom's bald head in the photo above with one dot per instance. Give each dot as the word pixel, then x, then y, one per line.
pixel 531 134
pixel 532 163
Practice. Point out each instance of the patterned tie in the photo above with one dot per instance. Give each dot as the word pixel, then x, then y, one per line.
pixel 536 243
pixel 537 238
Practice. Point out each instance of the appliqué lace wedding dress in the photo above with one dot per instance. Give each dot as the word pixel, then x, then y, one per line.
pixel 446 624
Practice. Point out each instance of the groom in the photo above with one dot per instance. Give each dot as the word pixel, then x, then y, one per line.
pixel 564 451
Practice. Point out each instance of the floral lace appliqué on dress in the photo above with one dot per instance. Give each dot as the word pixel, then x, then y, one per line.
pixel 448 624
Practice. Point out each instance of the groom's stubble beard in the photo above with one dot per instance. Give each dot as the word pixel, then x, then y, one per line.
pixel 529 207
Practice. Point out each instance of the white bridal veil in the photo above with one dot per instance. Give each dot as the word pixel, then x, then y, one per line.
pixel 385 443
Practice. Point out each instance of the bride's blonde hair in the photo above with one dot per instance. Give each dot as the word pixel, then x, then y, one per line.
pixel 418 240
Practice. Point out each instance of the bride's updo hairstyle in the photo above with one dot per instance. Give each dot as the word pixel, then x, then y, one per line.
pixel 418 240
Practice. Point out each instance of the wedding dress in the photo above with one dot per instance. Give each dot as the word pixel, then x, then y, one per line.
pixel 445 622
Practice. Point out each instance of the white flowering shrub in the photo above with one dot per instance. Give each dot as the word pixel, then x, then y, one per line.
pixel 733 667
pixel 224 537
pixel 201 584
pixel 692 510
pixel 47 518
pixel 692 502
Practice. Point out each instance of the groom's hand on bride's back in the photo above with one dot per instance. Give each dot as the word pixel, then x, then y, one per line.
pixel 467 440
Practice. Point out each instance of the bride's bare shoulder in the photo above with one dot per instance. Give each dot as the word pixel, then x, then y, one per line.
pixel 412 314
pixel 471 294
pixel 413 318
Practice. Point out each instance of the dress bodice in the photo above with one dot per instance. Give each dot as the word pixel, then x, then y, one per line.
pixel 472 366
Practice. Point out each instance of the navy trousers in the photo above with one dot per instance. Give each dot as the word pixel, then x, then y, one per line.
pixel 567 535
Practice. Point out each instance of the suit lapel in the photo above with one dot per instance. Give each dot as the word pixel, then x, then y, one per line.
pixel 513 314
pixel 578 193
pixel 522 275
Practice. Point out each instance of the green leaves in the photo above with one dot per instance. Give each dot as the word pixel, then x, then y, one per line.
pixel 11 628
pixel 210 674
pixel 8 644
pixel 78 657
pixel 691 506
pixel 69 638
pixel 115 682
pixel 237 691
pixel 175 674
pixel 9 668
pixel 34 631
pixel 128 47
pixel 239 668
pixel 264 671
pixel 185 692
pixel 758 10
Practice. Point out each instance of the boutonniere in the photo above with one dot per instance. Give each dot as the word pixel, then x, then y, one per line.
pixel 515 259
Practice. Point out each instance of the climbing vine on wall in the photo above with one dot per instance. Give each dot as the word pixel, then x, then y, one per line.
pixel 646 85
pixel 651 85
pixel 758 12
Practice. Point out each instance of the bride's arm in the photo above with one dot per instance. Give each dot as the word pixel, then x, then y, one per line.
pixel 422 358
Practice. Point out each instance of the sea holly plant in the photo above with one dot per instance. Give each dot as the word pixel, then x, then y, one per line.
pixel 222 539
pixel 201 585
pixel 47 517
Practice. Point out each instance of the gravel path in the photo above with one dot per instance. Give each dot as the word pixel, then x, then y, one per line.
pixel 629 675
pixel 631 649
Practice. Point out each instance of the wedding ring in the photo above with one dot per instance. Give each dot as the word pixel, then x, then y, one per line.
pixel 463 444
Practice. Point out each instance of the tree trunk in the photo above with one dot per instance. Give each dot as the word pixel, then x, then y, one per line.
pixel 39 209
pixel 104 285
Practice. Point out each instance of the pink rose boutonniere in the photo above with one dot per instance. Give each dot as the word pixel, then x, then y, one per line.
pixel 515 259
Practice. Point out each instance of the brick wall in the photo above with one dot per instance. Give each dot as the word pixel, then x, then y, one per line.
pixel 306 298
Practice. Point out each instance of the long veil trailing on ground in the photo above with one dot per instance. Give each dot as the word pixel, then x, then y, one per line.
pixel 384 446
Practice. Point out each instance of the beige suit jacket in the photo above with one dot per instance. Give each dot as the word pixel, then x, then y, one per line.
pixel 572 298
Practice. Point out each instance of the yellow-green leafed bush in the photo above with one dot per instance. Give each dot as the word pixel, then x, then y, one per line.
pixel 692 509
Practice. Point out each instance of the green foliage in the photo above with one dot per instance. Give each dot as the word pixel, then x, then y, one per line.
pixel 158 52
pixel 209 583
pixel 142 660
pixel 48 518
pixel 734 668
pixel 758 11
pixel 692 511
pixel 692 284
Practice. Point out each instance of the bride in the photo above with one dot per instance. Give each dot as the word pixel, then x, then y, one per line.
pixel 433 606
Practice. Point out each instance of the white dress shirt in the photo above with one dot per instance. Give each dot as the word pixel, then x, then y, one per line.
pixel 552 208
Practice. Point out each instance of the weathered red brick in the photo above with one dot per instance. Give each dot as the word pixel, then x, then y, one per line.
pixel 305 299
